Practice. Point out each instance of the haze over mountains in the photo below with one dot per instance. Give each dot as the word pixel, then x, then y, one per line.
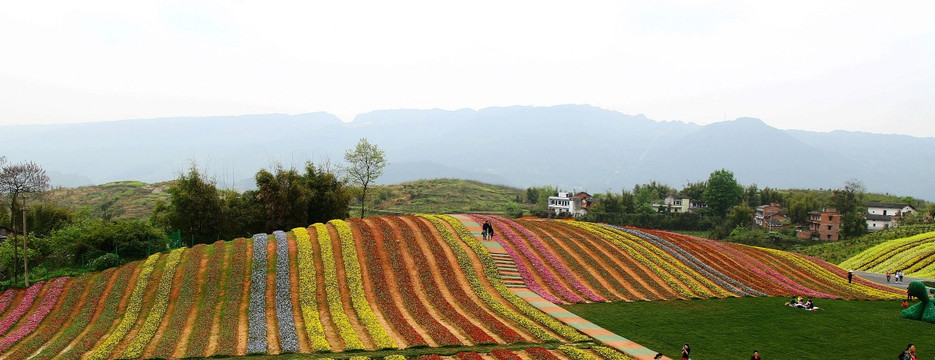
pixel 571 146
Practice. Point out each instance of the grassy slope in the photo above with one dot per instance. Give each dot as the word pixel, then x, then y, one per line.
pixel 837 252
pixel 116 200
pixel 443 196
pixel 732 328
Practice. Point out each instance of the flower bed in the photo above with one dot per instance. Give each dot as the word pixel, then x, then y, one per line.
pixel 32 321
pixel 78 322
pixel 335 304
pixel 24 304
pixel 504 354
pixel 356 286
pixel 538 353
pixel 105 320
pixel 234 295
pixel 169 338
pixel 156 313
pixel 256 334
pixel 130 314
pixel 59 319
pixel 307 290
pixel 210 289
pixel 288 340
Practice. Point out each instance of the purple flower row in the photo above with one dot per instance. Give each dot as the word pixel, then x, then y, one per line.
pixel 557 264
pixel 21 308
pixel 287 337
pixel 256 335
pixel 32 322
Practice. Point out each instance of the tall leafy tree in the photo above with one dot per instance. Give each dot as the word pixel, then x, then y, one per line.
pixel 722 192
pixel 694 190
pixel 284 197
pixel 16 181
pixel 194 206
pixel 328 196
pixel 799 206
pixel 365 163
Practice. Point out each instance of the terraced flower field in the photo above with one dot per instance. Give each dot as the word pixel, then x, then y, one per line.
pixel 391 283
pixel 914 255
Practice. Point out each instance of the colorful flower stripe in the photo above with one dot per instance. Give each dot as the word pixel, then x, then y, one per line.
pixel 381 292
pixel 777 270
pixel 874 255
pixel 256 335
pixel 636 270
pixel 234 295
pixel 839 272
pixel 490 271
pixel 169 338
pixel 859 290
pixel 664 272
pixel 511 242
pixel 610 354
pixel 160 304
pixel 107 316
pixel 724 264
pixel 439 333
pixel 131 313
pixel 475 282
pixel 724 281
pixel 429 357
pixel 288 340
pixel 207 301
pixel 394 357
pixel 447 269
pixel 559 267
pixel 56 321
pixel 355 284
pixel 32 321
pixel 469 355
pixel 408 241
pixel 504 354
pixel 698 284
pixel 539 353
pixel 24 304
pixel 335 307
pixel 576 353
pixel 574 255
pixel 6 299
pixel 795 272
pixel 81 319
pixel 307 290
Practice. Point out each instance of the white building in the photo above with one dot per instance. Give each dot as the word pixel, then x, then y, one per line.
pixel 882 215
pixel 565 202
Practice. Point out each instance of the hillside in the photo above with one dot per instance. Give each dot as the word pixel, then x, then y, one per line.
pixel 116 200
pixel 397 284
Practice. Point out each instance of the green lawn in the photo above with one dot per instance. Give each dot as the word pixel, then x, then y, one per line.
pixel 733 328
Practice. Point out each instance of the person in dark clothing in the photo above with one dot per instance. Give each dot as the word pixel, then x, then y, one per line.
pixel 850 276
pixel 485 229
pixel 686 352
pixel 658 356
pixel 489 230
pixel 909 353
pixel 756 355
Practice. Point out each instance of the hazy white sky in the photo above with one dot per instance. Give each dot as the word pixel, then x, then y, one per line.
pixel 811 65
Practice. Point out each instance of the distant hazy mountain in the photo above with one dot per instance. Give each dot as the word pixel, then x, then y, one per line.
pixel 571 146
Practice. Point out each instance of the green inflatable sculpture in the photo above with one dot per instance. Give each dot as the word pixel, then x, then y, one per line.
pixel 924 310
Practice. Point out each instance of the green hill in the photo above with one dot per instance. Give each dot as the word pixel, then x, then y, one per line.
pixel 116 200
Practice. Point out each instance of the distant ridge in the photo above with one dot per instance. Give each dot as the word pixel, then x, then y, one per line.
pixel 568 146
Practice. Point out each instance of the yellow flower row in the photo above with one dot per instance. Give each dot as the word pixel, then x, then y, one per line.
pixel 876 253
pixel 576 353
pixel 160 304
pixel 394 357
pixel 827 276
pixel 308 289
pixel 130 314
pixel 356 286
pixel 902 260
pixel 490 270
pixel 686 290
pixel 478 288
pixel 611 354
pixel 710 288
pixel 351 341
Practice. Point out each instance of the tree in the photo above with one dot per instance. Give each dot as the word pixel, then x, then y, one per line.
pixel 365 164
pixel 17 181
pixel 799 206
pixel 328 198
pixel 722 192
pixel 694 190
pixel 194 206
pixel 284 197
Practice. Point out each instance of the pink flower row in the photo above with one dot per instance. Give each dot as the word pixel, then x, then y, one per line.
pixel 32 322
pixel 21 308
pixel 6 299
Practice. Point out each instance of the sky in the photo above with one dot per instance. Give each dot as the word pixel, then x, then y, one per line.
pixel 809 65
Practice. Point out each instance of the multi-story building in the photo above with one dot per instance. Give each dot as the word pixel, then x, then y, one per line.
pixel 769 216
pixel 825 224
pixel 881 215
pixel 575 205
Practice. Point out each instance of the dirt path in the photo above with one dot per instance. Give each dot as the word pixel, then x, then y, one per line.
pixel 272 320
pixel 301 333
pixel 375 259
pixel 330 329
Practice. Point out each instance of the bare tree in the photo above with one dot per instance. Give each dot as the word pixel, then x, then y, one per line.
pixel 16 181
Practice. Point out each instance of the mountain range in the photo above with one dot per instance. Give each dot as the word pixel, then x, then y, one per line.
pixel 572 147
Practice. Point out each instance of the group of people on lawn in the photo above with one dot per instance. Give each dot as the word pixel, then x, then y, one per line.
pixel 799 302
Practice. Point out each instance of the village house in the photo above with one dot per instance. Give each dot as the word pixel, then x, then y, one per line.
pixel 679 204
pixel 575 205
pixel 770 217
pixel 881 215
pixel 822 225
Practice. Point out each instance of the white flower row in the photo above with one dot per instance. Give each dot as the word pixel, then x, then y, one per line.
pixel 287 336
pixel 256 336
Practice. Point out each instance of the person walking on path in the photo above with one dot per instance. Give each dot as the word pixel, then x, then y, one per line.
pixel 909 353
pixel 887 276
pixel 489 230
pixel 686 352
pixel 485 229
pixel 850 276
pixel 756 355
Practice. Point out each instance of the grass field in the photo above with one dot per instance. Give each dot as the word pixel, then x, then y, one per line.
pixel 732 328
